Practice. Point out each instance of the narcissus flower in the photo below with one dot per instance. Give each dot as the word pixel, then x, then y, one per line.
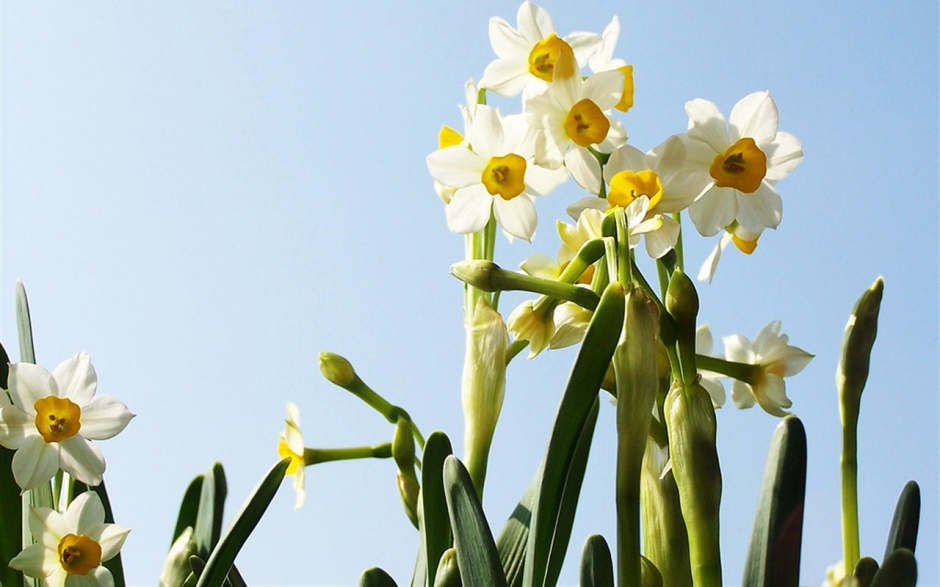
pixel 291 444
pixel 575 116
pixel 493 172
pixel 738 163
pixel 70 547
pixel 743 240
pixel 604 60
pixel 704 344
pixel 776 360
pixel 52 419
pixel 528 53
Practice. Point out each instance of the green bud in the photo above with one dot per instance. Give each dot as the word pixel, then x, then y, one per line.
pixel 409 490
pixel 478 273
pixel 682 305
pixel 176 568
pixel 338 370
pixel 665 539
pixel 857 342
pixel 448 574
pixel 403 445
pixel 690 419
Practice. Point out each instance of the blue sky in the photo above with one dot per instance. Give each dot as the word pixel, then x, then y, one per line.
pixel 205 196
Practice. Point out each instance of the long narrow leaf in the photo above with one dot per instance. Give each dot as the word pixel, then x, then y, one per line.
pixel 189 507
pixel 223 556
pixel 513 538
pixel 24 325
pixel 580 394
pixel 597 568
pixel 433 519
pixel 208 526
pixel 11 506
pixel 899 569
pixel 774 554
pixel 904 525
pixel 477 557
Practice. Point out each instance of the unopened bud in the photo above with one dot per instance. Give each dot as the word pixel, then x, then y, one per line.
pixel 682 305
pixel 338 370
pixel 409 490
pixel 857 343
pixel 478 273
pixel 448 573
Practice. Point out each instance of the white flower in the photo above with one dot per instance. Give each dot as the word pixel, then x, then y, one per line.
pixel 291 444
pixel 738 163
pixel 835 575
pixel 493 172
pixel 529 323
pixel 704 344
pixel 575 116
pixel 70 547
pixel 527 54
pixel 743 240
pixel 776 360
pixel 52 419
pixel 604 60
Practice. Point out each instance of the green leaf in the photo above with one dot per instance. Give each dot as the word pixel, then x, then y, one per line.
pixel 477 557
pixel 433 517
pixel 513 538
pixel 903 532
pixel 899 569
pixel 577 402
pixel 597 568
pixel 223 555
pixel 11 506
pixel 189 507
pixel 24 326
pixel 208 526
pixel 774 554
pixel 376 577
pixel 865 570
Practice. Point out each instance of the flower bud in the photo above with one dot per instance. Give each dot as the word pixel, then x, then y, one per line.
pixel 448 574
pixel 409 490
pixel 857 343
pixel 176 568
pixel 479 273
pixel 682 304
pixel 338 370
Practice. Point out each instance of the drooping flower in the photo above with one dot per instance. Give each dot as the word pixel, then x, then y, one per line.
pixel 604 60
pixel 528 53
pixel 52 419
pixel 493 172
pixel 575 116
pixel 704 344
pixel 70 547
pixel 776 358
pixel 531 323
pixel 738 163
pixel 291 444
pixel 743 240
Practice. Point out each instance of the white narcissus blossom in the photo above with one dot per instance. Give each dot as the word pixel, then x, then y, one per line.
pixel 291 444
pixel 604 60
pixel 743 240
pixel 776 360
pixel 54 417
pixel 493 172
pixel 574 115
pixel 704 344
pixel 70 547
pixel 738 163
pixel 527 54
pixel 527 322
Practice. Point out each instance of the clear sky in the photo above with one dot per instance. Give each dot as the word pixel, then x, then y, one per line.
pixel 204 196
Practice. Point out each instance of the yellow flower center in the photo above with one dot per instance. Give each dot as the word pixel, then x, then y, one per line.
pixel 544 56
pixel 742 166
pixel 296 460
pixel 627 186
pixel 626 99
pixel 745 246
pixel 57 418
pixel 79 554
pixel 586 124
pixel 448 137
pixel 504 176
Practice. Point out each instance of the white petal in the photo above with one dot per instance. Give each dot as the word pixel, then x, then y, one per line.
pixel 542 181
pixel 16 426
pixel 586 203
pixel 49 525
pixel 28 384
pixel 35 462
pixel 707 272
pixel 783 156
pixel 741 395
pixel 715 389
pixel 738 349
pixel 759 210
pixel 773 396
pixel 81 459
pixel 625 158
pixel 507 42
pixel 534 22
pixel 541 265
pixel 469 209
pixel 456 166
pixel 516 216
pixel 486 133
pixel 85 513
pixel 76 379
pixel 97 577
pixel 111 537
pixel 584 45
pixel 706 124
pixel 600 61
pixel 584 168
pixel 32 560
pixel 505 77
pixel 104 417
pixel 604 88
pixel 299 489
pixel 713 211
pixel 754 116
pixel 661 241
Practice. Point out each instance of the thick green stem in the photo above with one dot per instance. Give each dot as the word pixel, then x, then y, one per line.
pixel 849 464
pixel 313 456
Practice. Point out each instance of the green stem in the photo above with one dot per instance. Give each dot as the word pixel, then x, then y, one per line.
pixel 680 261
pixel 313 456
pixel 849 463
pixel 741 371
